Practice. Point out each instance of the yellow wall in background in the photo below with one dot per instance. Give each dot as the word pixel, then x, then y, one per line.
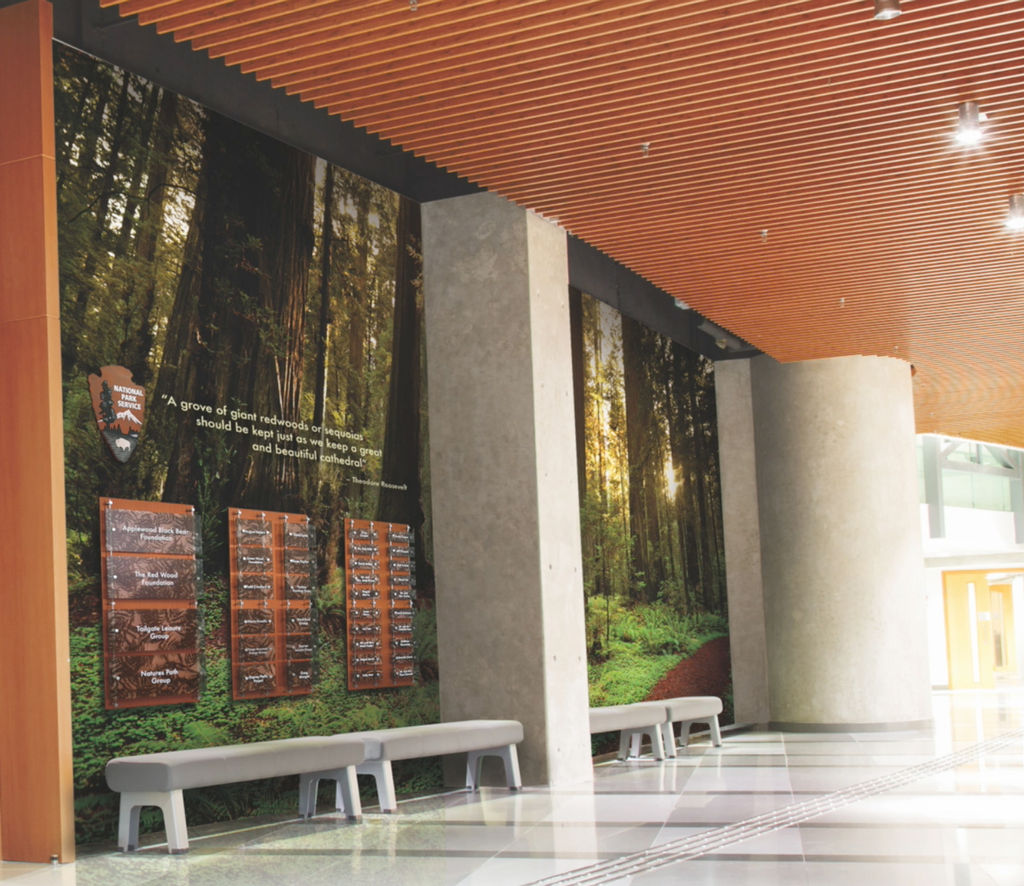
pixel 969 630
pixel 1003 634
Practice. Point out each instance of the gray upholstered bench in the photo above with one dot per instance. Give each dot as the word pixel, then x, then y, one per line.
pixel 632 721
pixel 159 779
pixel 476 738
pixel 687 710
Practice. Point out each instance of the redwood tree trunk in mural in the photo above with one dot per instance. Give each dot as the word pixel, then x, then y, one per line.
pixel 700 515
pixel 680 434
pixel 77 119
pixel 249 308
pixel 77 312
pixel 636 447
pixel 327 501
pixel 675 512
pixel 357 295
pixel 578 385
pixel 645 465
pixel 401 465
pixel 175 380
pixel 139 162
pixel 280 319
pixel 323 327
pixel 140 292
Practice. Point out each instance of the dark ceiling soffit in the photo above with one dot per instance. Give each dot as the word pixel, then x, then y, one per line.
pixel 595 273
pixel 84 25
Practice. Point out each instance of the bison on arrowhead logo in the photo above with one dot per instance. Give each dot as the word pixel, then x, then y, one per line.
pixel 120 406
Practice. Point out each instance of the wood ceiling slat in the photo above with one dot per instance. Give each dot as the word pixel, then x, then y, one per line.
pixel 266 40
pixel 870 100
pixel 848 278
pixel 804 118
pixel 829 287
pixel 934 169
pixel 187 25
pixel 597 25
pixel 245 18
pixel 277 24
pixel 616 56
pixel 407 63
pixel 564 108
pixel 817 259
pixel 703 244
pixel 132 7
pixel 593 45
pixel 719 285
pixel 726 219
pixel 621 150
pixel 185 11
pixel 920 163
pixel 653 84
pixel 780 58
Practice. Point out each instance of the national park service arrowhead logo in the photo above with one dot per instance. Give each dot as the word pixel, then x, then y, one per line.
pixel 120 406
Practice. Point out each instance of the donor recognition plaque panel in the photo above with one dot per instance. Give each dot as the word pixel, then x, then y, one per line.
pixel 151 577
pixel 380 587
pixel 143 531
pixel 153 679
pixel 152 630
pixel 273 571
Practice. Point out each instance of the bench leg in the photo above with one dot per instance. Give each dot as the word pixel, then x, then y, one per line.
pixel 381 772
pixel 308 784
pixel 625 738
pixel 509 757
pixel 128 824
pixel 716 733
pixel 668 738
pixel 170 803
pixel 657 745
pixel 473 761
pixel 174 823
pixel 346 792
pixel 631 738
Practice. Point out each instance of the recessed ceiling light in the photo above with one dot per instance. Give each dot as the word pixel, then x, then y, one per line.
pixel 1015 217
pixel 886 10
pixel 968 129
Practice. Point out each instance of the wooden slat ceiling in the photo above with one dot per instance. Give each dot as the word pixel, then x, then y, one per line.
pixel 800 186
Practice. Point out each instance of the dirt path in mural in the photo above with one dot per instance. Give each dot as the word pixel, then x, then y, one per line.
pixel 706 672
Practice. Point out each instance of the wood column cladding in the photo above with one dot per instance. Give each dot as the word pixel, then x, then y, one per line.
pixel 36 789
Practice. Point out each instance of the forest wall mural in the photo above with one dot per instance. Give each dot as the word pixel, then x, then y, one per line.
pixel 251 318
pixel 269 306
pixel 650 508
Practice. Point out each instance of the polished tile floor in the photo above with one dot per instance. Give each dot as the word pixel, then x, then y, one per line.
pixel 885 809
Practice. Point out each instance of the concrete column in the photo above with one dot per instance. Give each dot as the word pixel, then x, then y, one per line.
pixel 841 549
pixel 511 631
pixel 738 465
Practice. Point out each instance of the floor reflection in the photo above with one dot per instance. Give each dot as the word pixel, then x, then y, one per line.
pixel 963 826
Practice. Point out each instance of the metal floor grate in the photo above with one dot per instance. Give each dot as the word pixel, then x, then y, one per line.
pixel 711 840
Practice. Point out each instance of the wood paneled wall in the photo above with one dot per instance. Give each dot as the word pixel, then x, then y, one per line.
pixel 36 790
